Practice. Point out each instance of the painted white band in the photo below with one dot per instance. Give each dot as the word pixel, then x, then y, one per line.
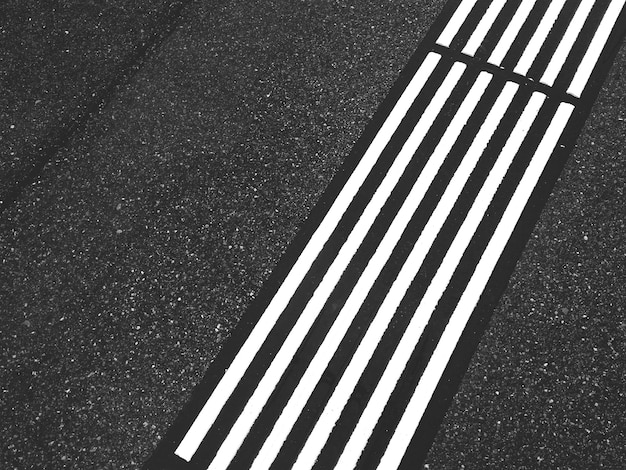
pixel 294 339
pixel 463 311
pixel 601 36
pixel 375 265
pixel 567 42
pixel 437 287
pixel 403 281
pixel 538 38
pixel 455 23
pixel 483 27
pixel 510 33
pixel 205 419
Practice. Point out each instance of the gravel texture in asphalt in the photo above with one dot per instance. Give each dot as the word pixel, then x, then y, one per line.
pixel 61 61
pixel 127 263
pixel 546 387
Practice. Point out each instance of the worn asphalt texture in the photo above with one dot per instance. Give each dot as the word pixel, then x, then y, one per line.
pixel 142 237
pixel 62 61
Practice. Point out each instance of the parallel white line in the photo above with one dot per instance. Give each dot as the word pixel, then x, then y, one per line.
pixel 401 284
pixel 538 38
pixel 294 339
pixel 483 27
pixel 410 338
pixel 240 364
pixel 327 349
pixel 455 23
pixel 511 32
pixel 419 401
pixel 588 63
pixel 567 42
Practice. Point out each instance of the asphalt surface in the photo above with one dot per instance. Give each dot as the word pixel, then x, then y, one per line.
pixel 130 259
pixel 61 62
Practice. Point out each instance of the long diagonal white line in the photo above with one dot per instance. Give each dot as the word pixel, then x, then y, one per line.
pixel 232 376
pixel 483 27
pixel 401 284
pixel 240 364
pixel 588 63
pixel 360 291
pixel 455 23
pixel 424 311
pixel 539 37
pixel 463 311
pixel 511 32
pixel 281 360
pixel 567 42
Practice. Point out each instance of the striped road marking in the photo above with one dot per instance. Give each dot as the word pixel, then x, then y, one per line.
pixel 353 349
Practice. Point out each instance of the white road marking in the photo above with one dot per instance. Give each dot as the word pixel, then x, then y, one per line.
pixel 455 23
pixel 401 284
pixel 511 32
pixel 483 27
pixel 600 37
pixel 205 419
pixel 326 351
pixel 281 361
pixel 567 42
pixel 545 26
pixel 422 315
pixel 462 313
pixel 447 343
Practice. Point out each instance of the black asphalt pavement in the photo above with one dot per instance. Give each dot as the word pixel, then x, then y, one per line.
pixel 62 61
pixel 131 256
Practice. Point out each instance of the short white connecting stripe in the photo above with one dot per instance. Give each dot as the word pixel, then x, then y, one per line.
pixel 462 313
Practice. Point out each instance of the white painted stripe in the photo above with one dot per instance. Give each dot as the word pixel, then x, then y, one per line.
pixel 538 38
pixel 462 313
pixel 483 27
pixel 327 349
pixel 437 287
pixel 567 42
pixel 240 364
pixel 455 23
pixel 588 63
pixel 281 361
pixel 401 284
pixel 511 32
